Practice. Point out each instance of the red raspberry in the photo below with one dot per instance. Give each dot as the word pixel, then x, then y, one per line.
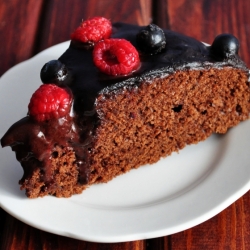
pixel 48 102
pixel 92 30
pixel 116 57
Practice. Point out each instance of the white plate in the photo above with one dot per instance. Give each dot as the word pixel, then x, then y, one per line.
pixel 175 194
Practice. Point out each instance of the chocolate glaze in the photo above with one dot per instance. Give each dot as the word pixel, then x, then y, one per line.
pixel 34 143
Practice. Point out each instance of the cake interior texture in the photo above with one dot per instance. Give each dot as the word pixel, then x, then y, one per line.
pixel 177 97
pixel 140 125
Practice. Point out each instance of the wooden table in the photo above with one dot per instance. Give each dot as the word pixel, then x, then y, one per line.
pixel 30 26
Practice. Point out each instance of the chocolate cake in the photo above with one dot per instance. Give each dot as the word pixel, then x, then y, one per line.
pixel 178 93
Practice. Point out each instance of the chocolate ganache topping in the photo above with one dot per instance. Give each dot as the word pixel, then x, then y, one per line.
pixel 34 142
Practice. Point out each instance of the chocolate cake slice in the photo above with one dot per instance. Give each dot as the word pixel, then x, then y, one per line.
pixel 178 93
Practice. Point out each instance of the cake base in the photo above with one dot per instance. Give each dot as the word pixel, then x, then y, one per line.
pixel 141 124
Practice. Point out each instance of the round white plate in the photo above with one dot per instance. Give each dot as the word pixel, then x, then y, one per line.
pixel 172 195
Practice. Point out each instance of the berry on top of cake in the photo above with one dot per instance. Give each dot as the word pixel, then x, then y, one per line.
pixel 93 30
pixel 122 96
pixel 116 57
pixel 49 102
pixel 151 39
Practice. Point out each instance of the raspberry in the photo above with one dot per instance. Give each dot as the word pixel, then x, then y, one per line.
pixel 116 57
pixel 92 30
pixel 48 102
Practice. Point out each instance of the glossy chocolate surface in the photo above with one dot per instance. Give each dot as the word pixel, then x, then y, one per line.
pixel 34 142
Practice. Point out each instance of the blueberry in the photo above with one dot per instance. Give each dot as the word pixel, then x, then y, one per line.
pixel 54 72
pixel 225 46
pixel 151 40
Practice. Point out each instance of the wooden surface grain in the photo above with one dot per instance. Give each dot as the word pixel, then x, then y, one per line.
pixel 18 29
pixel 30 26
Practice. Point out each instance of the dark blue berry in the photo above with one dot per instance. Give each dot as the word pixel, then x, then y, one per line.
pixel 54 72
pixel 225 46
pixel 151 40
